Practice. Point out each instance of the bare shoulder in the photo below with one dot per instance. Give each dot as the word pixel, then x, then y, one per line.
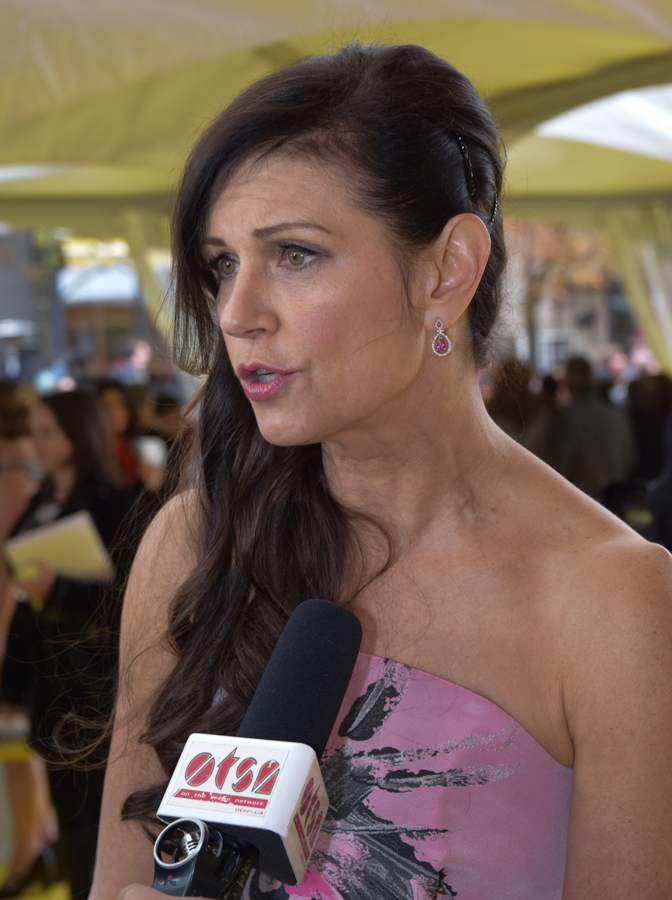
pixel 608 569
pixel 611 606
pixel 619 621
pixel 616 665
pixel 608 597
pixel 579 536
pixel 605 585
pixel 169 541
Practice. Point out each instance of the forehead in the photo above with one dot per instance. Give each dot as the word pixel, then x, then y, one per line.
pixel 112 395
pixel 282 188
pixel 42 415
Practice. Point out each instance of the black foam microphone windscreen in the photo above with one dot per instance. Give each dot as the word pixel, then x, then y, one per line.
pixel 303 686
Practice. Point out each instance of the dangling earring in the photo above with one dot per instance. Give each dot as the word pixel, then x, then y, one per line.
pixel 441 343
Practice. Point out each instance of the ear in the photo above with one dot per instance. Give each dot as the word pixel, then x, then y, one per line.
pixel 461 254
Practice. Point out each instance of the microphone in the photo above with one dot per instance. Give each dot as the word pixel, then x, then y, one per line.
pixel 258 799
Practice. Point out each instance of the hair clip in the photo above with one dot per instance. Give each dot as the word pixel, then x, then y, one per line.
pixel 467 162
pixel 494 211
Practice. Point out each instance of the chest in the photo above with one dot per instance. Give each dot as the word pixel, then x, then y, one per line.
pixel 492 627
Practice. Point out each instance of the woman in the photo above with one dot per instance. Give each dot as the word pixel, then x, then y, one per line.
pixel 338 249
pixel 25 780
pixel 20 476
pixel 117 402
pixel 44 671
pixel 120 414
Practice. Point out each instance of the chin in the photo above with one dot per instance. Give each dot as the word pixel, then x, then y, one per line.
pixel 286 431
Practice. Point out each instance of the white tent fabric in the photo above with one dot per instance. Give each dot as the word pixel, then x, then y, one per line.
pixel 635 121
pixel 111 95
pixel 100 102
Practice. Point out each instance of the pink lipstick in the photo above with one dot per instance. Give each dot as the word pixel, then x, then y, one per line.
pixel 262 381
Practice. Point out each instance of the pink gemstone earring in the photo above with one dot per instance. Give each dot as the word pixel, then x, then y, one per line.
pixel 441 343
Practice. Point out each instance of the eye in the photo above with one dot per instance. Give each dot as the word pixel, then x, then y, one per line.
pixel 224 266
pixel 297 257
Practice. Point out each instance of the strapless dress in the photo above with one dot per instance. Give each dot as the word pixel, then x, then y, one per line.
pixel 435 792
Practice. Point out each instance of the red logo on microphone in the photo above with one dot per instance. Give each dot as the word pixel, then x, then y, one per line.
pixel 247 776
pixel 308 820
pixel 200 769
pixel 268 775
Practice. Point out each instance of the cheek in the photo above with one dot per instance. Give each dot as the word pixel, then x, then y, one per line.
pixel 321 328
pixel 63 450
pixel 350 313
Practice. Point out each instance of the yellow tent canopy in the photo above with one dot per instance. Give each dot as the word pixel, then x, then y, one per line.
pixel 100 102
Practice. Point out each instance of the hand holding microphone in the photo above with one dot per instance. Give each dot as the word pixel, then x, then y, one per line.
pixel 258 799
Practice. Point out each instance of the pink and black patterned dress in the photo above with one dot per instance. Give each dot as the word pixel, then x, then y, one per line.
pixel 434 792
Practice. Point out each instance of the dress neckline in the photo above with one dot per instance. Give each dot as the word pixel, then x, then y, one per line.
pixel 471 693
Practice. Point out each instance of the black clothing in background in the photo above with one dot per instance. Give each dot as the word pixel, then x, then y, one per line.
pixel 60 659
pixel 660 497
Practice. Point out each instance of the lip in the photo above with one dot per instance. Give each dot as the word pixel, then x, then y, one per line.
pixel 262 390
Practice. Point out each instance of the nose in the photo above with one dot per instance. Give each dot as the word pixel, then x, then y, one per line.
pixel 244 307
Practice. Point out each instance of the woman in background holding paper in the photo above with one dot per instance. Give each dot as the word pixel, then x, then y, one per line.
pixel 20 476
pixel 25 780
pixel 44 672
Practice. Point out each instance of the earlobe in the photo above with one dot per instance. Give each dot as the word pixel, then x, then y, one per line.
pixel 462 254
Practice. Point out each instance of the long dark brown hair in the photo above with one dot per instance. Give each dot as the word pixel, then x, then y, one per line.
pixel 79 417
pixel 419 147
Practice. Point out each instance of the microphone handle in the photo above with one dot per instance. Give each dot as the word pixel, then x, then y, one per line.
pixel 204 862
pixel 249 858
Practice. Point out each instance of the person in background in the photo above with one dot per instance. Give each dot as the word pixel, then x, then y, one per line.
pixel 512 404
pixel 44 672
pixel 648 406
pixel 660 497
pixel 20 474
pixel 134 368
pixel 537 437
pixel 143 402
pixel 591 441
pixel 26 780
pixel 177 433
pixel 168 417
pixel 664 394
pixel 121 418
pixel 118 404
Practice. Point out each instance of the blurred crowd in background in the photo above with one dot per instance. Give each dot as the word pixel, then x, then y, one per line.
pixel 114 449
pixel 610 438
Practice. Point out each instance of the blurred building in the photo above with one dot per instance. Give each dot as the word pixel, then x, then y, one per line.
pixel 563 297
pixel 74 308
pixel 104 310
pixel 32 323
pixel 584 322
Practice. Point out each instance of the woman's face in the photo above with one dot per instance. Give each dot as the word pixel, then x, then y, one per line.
pixel 54 448
pixel 311 302
pixel 114 406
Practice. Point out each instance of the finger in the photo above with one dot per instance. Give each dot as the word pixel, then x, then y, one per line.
pixel 138 892
pixel 25 584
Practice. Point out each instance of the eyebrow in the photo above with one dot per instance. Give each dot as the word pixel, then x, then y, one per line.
pixel 272 229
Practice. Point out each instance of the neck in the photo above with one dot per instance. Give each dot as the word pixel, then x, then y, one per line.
pixel 433 456
pixel 64 483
